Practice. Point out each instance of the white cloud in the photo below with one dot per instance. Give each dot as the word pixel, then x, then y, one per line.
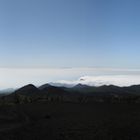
pixel 17 77
pixel 118 80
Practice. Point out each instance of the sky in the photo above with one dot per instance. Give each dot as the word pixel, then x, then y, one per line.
pixel 59 34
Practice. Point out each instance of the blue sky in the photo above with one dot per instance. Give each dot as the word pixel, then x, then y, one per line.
pixel 70 33
pixel 62 40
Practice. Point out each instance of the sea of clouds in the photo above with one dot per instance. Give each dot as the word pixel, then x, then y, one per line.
pixel 118 80
pixel 17 77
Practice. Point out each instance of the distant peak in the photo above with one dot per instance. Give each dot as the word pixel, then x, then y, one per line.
pixel 27 90
pixel 80 86
pixel 29 86
pixel 45 86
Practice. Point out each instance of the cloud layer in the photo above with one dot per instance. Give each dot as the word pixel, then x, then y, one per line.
pixel 118 80
pixel 17 77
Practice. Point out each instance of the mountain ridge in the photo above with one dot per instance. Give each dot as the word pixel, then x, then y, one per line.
pixel 79 88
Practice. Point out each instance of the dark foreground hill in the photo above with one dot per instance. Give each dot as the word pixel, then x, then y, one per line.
pixel 78 113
